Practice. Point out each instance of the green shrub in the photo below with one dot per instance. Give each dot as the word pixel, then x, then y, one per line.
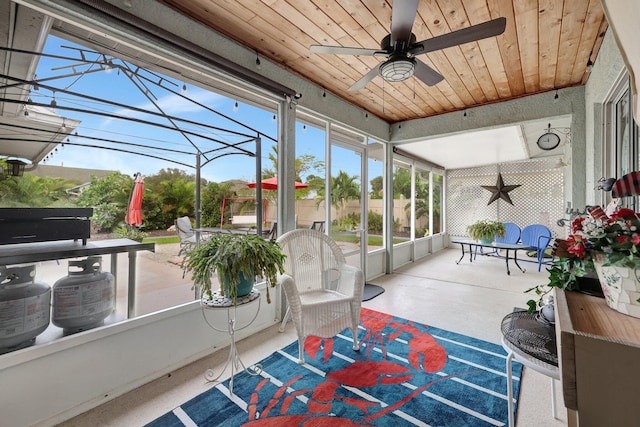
pixel 132 233
pixel 375 223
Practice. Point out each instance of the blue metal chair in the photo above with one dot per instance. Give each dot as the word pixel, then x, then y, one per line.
pixel 511 235
pixel 538 237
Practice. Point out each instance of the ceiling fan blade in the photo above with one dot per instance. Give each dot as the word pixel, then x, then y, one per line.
pixel 402 16
pixel 339 50
pixel 364 79
pixel 427 74
pixel 487 29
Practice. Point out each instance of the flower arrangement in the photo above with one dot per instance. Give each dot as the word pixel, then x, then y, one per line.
pixel 616 237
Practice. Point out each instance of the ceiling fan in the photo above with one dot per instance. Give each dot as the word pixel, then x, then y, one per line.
pixel 400 47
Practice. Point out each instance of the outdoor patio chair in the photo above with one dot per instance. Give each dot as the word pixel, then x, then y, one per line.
pixel 271 233
pixel 538 237
pixel 323 292
pixel 185 232
pixel 317 225
pixel 511 235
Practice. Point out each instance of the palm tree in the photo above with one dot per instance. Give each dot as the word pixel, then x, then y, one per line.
pixel 178 196
pixel 343 189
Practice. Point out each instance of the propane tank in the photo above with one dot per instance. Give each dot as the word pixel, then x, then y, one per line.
pixel 25 307
pixel 84 298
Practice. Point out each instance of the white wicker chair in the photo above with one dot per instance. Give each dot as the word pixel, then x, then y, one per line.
pixel 324 293
pixel 185 232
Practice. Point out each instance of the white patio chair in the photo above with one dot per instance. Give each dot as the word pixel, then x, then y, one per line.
pixel 185 232
pixel 323 292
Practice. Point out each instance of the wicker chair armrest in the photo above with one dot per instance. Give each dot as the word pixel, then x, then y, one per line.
pixel 288 283
pixel 351 281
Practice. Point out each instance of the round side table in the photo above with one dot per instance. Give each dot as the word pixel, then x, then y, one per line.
pixel 219 302
pixel 532 342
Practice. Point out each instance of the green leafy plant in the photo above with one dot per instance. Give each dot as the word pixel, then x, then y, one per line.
pixel 485 229
pixel 564 273
pixel 229 255
pixel 132 233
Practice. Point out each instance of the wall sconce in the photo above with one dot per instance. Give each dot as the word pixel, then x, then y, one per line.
pixel 14 167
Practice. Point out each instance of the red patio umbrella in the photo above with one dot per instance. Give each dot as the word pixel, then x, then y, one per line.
pixel 272 184
pixel 134 211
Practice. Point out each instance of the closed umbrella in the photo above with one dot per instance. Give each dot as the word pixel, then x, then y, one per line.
pixel 272 184
pixel 134 211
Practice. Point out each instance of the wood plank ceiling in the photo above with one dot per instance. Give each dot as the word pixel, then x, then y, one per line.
pixel 547 45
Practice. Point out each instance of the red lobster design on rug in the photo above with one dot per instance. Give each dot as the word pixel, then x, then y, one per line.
pixel 425 354
pixel 405 374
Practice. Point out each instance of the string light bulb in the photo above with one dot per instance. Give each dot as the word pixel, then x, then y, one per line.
pixel 273 119
pixel 258 63
pixel 235 106
pixel 184 88
pixel 555 97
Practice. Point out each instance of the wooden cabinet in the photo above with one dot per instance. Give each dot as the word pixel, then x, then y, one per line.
pixel 599 355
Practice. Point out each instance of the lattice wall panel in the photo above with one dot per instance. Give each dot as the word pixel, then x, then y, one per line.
pixel 538 200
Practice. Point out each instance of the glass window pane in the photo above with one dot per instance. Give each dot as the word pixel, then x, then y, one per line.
pixel 376 208
pixel 422 206
pixel 438 185
pixel 401 202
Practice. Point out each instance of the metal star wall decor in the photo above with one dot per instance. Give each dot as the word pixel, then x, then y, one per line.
pixel 500 191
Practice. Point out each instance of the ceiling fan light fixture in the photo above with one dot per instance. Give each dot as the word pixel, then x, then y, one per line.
pixel 397 69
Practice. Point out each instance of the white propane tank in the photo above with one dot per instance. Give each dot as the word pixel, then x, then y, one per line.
pixel 25 307
pixel 84 298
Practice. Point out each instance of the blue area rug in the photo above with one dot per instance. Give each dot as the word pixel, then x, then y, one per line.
pixel 405 374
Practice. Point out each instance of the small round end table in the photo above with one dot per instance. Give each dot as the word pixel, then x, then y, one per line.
pixel 218 302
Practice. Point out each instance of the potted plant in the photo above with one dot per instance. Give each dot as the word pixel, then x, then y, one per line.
pixel 485 230
pixel 612 244
pixel 237 258
pixel 565 273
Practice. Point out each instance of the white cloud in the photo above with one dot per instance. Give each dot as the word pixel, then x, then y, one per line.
pixel 170 104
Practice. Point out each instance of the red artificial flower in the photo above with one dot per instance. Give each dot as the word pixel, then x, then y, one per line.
pixel 635 239
pixel 622 239
pixel 623 213
pixel 575 245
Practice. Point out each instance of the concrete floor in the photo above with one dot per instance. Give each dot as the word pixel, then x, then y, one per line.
pixel 469 298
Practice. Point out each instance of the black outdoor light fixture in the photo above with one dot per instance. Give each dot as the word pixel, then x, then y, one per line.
pixel 14 167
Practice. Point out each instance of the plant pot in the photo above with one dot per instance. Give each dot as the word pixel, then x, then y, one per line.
pixel 620 285
pixel 243 288
pixel 487 240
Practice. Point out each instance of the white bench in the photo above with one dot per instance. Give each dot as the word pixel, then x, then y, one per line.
pixel 244 220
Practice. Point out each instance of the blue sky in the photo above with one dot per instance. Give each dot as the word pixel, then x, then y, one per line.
pixel 114 85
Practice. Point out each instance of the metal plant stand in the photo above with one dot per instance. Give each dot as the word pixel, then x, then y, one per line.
pixel 220 302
